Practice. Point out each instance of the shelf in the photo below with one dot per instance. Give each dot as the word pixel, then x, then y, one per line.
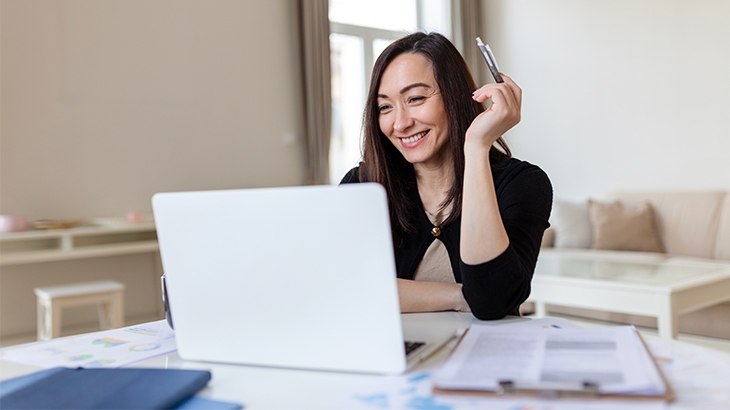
pixel 119 238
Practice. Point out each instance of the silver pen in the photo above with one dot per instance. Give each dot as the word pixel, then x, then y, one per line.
pixel 491 61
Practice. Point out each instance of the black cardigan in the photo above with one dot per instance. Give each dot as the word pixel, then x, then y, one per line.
pixel 496 288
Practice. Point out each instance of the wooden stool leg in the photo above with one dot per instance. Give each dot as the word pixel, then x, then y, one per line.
pixel 42 325
pixel 53 319
pixel 111 311
pixel 103 309
pixel 117 310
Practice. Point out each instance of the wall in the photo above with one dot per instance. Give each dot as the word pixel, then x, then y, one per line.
pixel 105 103
pixel 619 94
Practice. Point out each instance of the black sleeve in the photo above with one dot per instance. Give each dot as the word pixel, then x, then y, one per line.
pixel 352 176
pixel 497 288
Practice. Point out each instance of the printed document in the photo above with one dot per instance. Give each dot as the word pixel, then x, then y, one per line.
pixel 614 358
pixel 108 348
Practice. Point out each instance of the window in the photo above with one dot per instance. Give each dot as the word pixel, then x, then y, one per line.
pixel 360 31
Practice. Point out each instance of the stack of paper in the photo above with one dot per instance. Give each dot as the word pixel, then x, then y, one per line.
pixel 614 359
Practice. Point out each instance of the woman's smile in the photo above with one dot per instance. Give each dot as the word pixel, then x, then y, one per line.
pixel 410 142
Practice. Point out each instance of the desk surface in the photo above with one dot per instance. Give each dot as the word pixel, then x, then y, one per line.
pixel 272 388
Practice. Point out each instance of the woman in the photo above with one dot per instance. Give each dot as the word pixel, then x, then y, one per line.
pixel 467 219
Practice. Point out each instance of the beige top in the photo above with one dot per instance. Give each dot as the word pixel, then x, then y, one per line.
pixel 435 265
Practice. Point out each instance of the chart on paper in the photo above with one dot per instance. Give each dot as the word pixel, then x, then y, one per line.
pixel 110 348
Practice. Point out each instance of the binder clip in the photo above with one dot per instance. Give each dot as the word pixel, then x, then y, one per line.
pixel 583 390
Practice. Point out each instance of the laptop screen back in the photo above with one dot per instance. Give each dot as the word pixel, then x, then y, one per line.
pixel 300 277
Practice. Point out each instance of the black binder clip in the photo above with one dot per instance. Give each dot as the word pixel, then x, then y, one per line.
pixel 583 390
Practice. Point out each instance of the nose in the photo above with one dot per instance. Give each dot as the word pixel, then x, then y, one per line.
pixel 403 119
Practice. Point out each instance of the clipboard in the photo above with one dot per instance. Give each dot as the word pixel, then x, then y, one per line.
pixel 583 391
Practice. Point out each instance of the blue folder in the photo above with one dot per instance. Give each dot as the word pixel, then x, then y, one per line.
pixel 126 388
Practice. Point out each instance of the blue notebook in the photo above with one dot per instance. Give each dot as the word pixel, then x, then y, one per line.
pixel 127 388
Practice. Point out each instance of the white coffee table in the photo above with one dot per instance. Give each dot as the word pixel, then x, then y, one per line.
pixel 662 288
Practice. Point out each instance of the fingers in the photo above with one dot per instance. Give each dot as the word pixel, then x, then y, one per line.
pixel 508 92
pixel 501 115
pixel 514 87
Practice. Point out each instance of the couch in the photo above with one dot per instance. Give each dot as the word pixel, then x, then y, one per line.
pixel 692 225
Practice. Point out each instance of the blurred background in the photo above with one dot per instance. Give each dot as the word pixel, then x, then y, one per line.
pixel 104 103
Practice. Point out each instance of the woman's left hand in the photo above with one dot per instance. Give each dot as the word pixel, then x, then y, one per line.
pixel 500 116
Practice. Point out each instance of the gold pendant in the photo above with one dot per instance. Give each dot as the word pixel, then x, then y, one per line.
pixel 436 231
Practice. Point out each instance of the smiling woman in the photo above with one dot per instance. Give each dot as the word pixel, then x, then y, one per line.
pixel 360 31
pixel 411 112
pixel 467 218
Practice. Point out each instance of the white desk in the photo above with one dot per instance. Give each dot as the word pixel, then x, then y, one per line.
pixel 270 388
pixel 663 288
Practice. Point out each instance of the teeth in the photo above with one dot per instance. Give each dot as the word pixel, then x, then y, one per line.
pixel 415 137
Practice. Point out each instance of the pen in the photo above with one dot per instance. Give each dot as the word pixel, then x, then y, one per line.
pixel 491 61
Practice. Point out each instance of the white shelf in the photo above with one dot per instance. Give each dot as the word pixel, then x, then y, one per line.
pixel 110 239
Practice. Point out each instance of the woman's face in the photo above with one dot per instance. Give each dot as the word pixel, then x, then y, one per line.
pixel 411 112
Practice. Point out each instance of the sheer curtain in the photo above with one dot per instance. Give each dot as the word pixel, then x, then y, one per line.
pixel 467 22
pixel 314 25
pixel 315 51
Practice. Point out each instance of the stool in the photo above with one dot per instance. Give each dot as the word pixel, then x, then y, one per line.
pixel 108 295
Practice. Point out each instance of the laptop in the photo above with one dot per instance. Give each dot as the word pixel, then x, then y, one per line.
pixel 295 277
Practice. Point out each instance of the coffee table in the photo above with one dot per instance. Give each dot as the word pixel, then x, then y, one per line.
pixel 662 288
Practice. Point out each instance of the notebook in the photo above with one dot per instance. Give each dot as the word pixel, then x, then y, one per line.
pixel 295 277
pixel 65 388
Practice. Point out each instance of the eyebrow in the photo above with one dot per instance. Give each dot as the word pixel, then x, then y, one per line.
pixel 407 88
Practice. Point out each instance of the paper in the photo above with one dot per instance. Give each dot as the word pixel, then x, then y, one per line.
pixel 415 392
pixel 614 358
pixel 699 377
pixel 109 348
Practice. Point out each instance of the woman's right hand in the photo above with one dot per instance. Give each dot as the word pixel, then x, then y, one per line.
pixel 503 114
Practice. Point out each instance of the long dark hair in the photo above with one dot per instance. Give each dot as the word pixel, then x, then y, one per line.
pixel 383 163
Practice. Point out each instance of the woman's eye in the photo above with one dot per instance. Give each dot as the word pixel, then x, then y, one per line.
pixel 383 109
pixel 414 100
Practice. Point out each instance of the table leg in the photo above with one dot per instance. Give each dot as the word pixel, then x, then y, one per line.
pixel 667 323
pixel 540 309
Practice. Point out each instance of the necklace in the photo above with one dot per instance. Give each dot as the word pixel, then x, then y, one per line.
pixel 436 221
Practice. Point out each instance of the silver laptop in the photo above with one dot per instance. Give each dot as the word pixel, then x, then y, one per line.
pixel 296 277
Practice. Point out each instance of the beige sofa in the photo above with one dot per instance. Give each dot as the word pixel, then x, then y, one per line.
pixel 689 225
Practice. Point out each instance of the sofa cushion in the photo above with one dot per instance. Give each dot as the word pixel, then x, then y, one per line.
pixel 617 226
pixel 548 238
pixel 687 221
pixel 722 245
pixel 570 223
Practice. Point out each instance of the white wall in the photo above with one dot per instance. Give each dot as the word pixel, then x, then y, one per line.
pixel 619 94
pixel 105 103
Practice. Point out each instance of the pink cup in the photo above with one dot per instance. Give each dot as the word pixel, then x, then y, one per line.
pixel 12 223
pixel 133 216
